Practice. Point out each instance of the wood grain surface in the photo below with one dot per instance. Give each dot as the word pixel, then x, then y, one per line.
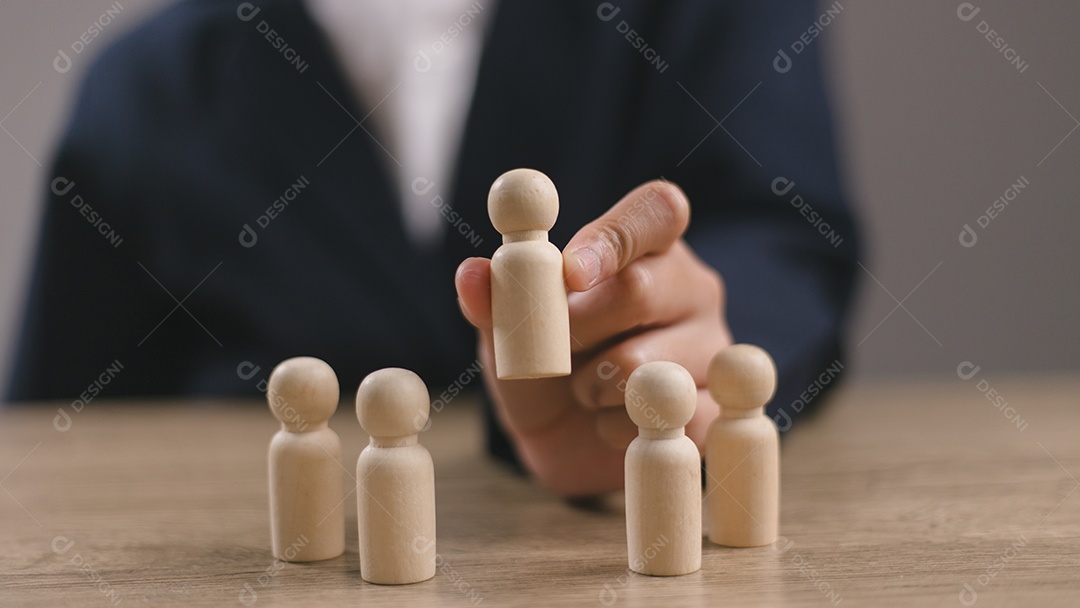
pixel 896 495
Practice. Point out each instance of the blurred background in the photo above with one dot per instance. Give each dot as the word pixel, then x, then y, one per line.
pixel 935 126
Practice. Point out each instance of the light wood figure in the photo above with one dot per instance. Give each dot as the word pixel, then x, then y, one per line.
pixel 528 292
pixel 307 517
pixel 663 472
pixel 395 493
pixel 742 449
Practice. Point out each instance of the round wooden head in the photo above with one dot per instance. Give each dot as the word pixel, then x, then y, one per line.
pixel 742 377
pixel 661 395
pixel 302 392
pixel 523 199
pixel 392 402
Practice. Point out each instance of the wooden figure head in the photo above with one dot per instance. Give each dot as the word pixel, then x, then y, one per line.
pixel 303 393
pixel 661 395
pixel 523 199
pixel 742 377
pixel 392 403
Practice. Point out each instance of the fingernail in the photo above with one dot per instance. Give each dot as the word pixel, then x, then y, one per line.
pixel 588 263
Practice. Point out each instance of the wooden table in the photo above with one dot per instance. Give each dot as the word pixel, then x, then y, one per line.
pixel 898 494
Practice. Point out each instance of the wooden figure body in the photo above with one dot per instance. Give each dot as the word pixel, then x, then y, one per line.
pixel 395 494
pixel 663 473
pixel 743 450
pixel 307 518
pixel 530 316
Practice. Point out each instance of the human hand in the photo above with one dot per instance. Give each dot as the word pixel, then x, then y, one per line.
pixel 638 293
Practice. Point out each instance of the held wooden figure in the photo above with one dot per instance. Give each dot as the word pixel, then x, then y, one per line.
pixel 395 493
pixel 307 519
pixel 530 317
pixel 663 472
pixel 742 448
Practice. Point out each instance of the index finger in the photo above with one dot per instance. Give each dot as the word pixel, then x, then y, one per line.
pixel 647 220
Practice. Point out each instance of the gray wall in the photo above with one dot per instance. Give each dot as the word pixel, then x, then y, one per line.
pixel 936 125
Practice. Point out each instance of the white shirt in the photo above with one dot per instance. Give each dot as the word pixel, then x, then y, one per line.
pixel 413 64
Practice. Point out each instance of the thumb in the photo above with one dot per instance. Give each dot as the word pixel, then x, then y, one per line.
pixel 473 284
pixel 647 220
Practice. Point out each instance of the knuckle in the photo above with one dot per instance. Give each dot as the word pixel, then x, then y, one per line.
pixel 673 203
pixel 658 214
pixel 637 282
pixel 627 357
pixel 717 290
pixel 713 287
pixel 619 238
pixel 637 286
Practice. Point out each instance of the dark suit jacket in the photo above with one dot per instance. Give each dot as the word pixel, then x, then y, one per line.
pixel 211 165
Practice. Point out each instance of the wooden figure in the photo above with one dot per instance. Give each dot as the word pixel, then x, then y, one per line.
pixel 528 292
pixel 307 517
pixel 663 472
pixel 742 452
pixel 395 494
